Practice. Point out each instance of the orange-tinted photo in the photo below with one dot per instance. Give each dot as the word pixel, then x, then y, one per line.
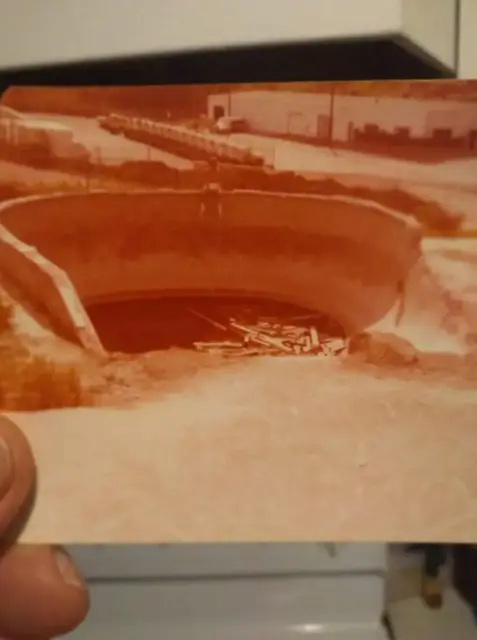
pixel 243 312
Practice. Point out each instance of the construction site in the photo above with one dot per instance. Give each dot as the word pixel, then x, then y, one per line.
pixel 267 325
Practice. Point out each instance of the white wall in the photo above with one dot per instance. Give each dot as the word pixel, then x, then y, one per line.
pixel 245 591
pixel 420 116
pixel 468 40
pixel 91 30
pixel 286 112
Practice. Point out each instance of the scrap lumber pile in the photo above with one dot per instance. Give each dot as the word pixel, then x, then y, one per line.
pixel 269 336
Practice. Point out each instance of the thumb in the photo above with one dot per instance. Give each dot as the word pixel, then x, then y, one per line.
pixel 17 473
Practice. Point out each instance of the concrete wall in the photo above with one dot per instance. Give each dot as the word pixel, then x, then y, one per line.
pixel 338 256
pixel 26 131
pixel 422 117
pixel 43 285
pixel 295 113
pixel 307 114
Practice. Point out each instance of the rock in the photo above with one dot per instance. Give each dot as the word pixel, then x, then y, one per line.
pixel 384 349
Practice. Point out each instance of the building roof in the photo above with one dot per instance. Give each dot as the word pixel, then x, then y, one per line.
pixel 36 123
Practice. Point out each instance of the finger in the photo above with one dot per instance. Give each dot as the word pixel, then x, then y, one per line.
pixel 17 472
pixel 42 595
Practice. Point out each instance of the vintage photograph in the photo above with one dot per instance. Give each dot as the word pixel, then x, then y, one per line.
pixel 243 312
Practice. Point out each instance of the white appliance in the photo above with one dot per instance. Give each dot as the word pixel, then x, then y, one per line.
pixel 234 592
pixel 94 31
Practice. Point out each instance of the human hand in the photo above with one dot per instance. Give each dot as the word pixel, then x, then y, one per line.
pixel 41 593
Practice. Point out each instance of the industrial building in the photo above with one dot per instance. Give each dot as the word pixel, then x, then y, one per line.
pixel 341 118
pixel 22 131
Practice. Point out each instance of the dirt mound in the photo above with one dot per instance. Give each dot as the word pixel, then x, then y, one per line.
pixel 429 315
pixel 381 354
pixel 383 349
pixel 125 378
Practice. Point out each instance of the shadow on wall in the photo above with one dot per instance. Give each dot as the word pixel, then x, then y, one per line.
pixel 338 256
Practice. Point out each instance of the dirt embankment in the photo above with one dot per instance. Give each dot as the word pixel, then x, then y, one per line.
pixel 42 371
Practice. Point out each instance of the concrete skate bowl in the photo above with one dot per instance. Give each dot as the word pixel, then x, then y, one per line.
pixel 135 261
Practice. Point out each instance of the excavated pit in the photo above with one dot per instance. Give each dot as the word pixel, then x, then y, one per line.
pixel 227 324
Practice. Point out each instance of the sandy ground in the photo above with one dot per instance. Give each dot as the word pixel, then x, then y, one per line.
pixel 455 264
pixel 297 156
pixel 112 149
pixel 11 172
pixel 451 184
pixel 275 450
pixel 268 449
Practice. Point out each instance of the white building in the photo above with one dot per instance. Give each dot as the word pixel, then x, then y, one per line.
pixel 20 130
pixel 307 114
pixel 8 123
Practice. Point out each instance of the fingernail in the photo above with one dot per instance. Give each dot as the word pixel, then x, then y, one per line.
pixel 6 467
pixel 67 569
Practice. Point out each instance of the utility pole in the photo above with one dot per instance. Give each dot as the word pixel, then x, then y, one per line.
pixel 331 121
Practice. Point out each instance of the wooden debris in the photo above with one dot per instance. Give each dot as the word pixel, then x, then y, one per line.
pixel 268 336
